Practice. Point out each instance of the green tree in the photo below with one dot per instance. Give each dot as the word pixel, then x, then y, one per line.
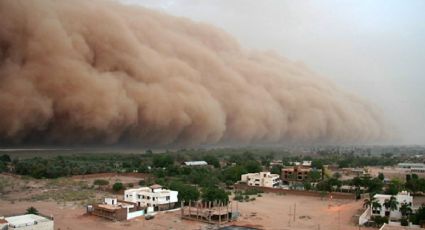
pixel 212 160
pixel 3 167
pixel 276 169
pixel 5 158
pixel 186 192
pixel 32 210
pixel 376 205
pixel 381 176
pixel 162 160
pixel 405 209
pixel 233 174
pixel 212 194
pixel 118 186
pixel 391 204
pixel 374 186
pixel 252 166
pixel 419 216
pixel 314 175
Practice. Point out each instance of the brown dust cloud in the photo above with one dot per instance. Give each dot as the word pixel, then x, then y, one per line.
pixel 84 72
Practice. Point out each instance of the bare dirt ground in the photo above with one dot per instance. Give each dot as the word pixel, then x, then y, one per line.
pixel 65 198
pixel 274 211
pixel 74 217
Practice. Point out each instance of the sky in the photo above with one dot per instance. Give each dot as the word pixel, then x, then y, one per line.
pixel 374 49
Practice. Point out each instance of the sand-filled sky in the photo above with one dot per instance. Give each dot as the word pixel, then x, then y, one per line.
pixel 99 72
pixel 372 48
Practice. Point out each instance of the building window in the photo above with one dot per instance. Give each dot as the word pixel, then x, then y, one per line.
pixel 167 198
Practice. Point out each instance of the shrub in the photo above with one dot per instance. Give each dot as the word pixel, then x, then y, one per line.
pixel 32 210
pixel 118 186
pixel 142 182
pixel 380 220
pixel 253 191
pixel 101 182
pixel 404 221
pixel 238 197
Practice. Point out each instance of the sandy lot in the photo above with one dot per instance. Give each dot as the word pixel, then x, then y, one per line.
pixel 271 211
pixel 277 212
pixel 73 217
pixel 268 212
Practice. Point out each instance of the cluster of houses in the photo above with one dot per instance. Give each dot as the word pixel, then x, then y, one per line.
pixel 136 202
pixel 297 173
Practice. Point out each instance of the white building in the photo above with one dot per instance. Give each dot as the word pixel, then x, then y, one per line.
pixel 413 167
pixel 262 179
pixel 195 163
pixel 26 222
pixel 303 163
pixel 154 196
pixel 401 197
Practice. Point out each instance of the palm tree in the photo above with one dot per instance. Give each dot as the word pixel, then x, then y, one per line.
pixel 367 203
pixel 405 209
pixel 391 204
pixel 376 205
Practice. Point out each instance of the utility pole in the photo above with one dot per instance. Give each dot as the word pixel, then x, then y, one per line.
pixel 339 219
pixel 289 215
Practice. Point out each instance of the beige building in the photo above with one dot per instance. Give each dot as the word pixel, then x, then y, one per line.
pixel 154 196
pixel 296 173
pixel 261 179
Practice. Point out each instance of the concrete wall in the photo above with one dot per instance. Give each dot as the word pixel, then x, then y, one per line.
pixel 364 218
pixel 135 214
pixel 335 195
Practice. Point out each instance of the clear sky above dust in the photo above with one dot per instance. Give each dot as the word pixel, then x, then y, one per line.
pixel 372 48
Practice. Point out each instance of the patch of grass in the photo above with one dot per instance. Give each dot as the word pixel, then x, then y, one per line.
pixel 65 195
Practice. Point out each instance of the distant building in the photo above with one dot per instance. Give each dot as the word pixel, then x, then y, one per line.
pixel 26 222
pixel 261 179
pixel 294 174
pixel 195 163
pixel 303 163
pixel 413 167
pixel 154 196
pixel 116 210
pixel 276 163
pixel 356 172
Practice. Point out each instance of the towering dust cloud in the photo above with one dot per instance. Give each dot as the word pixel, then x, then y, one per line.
pixel 100 72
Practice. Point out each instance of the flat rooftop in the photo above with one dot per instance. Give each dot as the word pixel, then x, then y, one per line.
pixel 391 227
pixel 25 220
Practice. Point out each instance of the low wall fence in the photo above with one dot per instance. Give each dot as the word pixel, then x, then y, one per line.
pixel 335 195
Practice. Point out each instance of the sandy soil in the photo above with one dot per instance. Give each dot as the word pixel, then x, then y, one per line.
pixel 268 212
pixel 271 211
pixel 277 212
pixel 74 217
